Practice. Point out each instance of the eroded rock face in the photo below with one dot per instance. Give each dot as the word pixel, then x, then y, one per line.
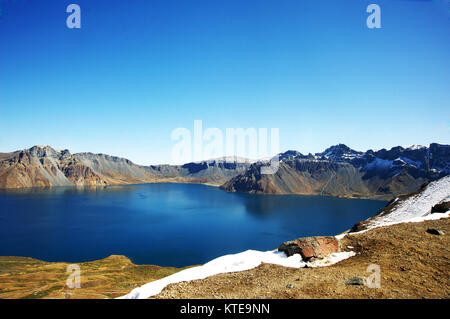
pixel 311 247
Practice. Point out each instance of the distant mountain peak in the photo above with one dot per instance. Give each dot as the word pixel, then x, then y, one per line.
pixel 339 151
pixel 41 147
pixel 289 154
pixel 414 147
pixel 41 151
pixel 338 148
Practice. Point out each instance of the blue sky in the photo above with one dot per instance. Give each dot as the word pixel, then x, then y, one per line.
pixel 137 70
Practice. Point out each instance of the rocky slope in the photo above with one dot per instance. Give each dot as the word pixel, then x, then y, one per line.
pixel 42 166
pixel 341 171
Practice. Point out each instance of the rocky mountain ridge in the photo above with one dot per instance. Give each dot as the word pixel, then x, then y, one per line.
pixel 341 171
pixel 337 171
pixel 42 166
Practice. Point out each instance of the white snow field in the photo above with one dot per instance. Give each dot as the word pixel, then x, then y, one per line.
pixel 416 208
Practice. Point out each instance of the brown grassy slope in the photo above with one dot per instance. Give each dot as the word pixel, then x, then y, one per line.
pixel 413 263
pixel 22 277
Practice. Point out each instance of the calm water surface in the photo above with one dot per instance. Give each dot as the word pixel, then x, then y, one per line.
pixel 163 224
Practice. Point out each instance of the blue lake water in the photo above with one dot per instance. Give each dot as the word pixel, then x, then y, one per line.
pixel 163 224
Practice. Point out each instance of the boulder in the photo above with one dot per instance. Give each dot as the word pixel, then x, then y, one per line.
pixel 434 231
pixel 290 286
pixel 311 247
pixel 355 281
pixel 359 226
pixel 441 208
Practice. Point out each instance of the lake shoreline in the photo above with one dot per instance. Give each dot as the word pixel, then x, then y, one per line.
pixel 384 198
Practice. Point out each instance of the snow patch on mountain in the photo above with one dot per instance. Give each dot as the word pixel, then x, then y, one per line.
pixel 414 147
pixel 410 162
pixel 331 259
pixel 416 207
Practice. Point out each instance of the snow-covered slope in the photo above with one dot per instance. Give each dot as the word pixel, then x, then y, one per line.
pixel 415 207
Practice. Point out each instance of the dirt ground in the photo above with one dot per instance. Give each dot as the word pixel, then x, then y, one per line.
pixel 413 264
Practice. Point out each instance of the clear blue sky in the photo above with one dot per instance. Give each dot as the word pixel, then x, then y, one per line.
pixel 138 69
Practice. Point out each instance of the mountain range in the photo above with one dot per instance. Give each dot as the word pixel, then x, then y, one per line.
pixel 337 171
pixel 42 166
pixel 343 172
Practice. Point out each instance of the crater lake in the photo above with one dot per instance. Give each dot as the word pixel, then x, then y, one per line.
pixel 164 224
